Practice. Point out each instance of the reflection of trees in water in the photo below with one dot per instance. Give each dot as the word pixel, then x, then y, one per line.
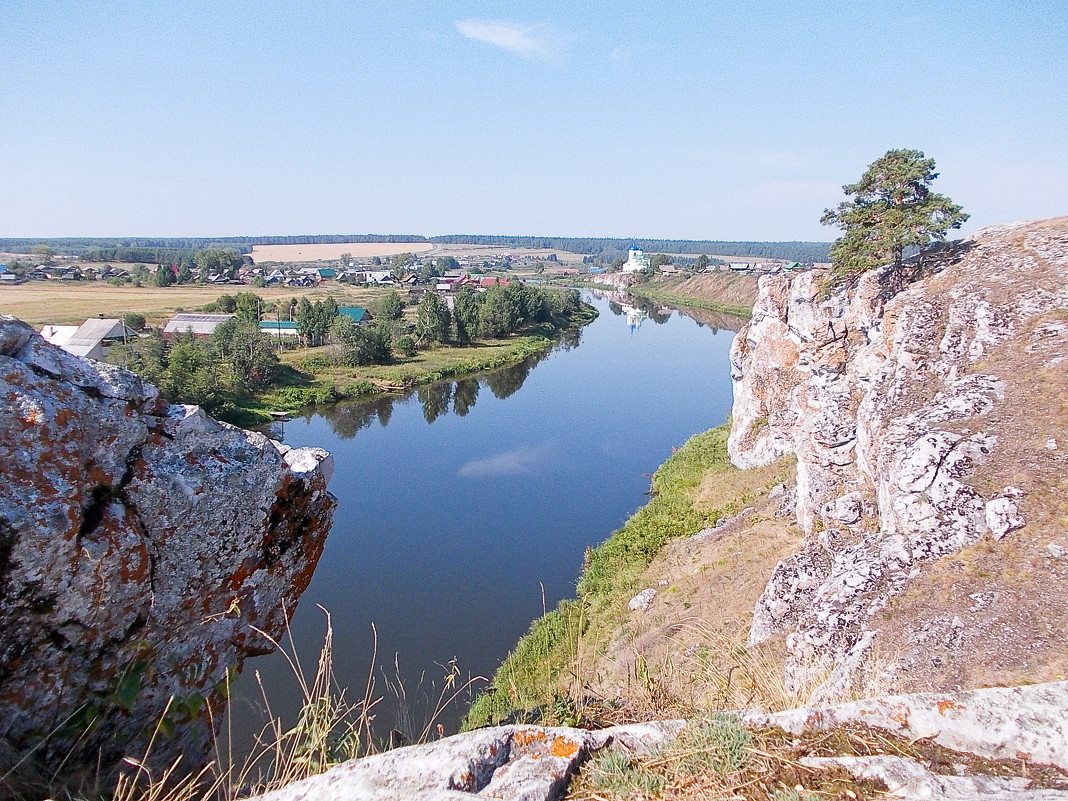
pixel 717 321
pixel 347 418
pixel 464 396
pixel 569 339
pixel 503 383
pixel 435 399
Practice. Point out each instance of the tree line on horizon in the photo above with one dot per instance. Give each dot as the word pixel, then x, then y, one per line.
pixel 179 250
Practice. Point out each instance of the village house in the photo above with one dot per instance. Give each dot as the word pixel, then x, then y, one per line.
pixel 280 329
pixel 91 340
pixel 200 324
pixel 357 314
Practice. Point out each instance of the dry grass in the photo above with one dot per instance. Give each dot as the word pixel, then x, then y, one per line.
pixel 329 730
pixel 734 289
pixel 692 638
pixel 289 254
pixel 39 302
pixel 716 758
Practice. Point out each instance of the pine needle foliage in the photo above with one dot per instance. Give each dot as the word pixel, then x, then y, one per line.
pixel 891 210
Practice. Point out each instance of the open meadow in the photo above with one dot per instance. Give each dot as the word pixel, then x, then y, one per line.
pixel 287 254
pixel 67 303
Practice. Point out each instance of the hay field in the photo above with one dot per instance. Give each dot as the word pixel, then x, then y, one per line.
pixel 359 250
pixel 66 303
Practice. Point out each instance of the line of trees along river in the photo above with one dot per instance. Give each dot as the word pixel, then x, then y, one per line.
pixel 461 504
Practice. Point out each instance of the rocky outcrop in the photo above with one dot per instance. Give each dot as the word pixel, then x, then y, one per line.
pixel 617 280
pixel 909 399
pixel 997 723
pixel 520 763
pixel 996 743
pixel 988 742
pixel 145 551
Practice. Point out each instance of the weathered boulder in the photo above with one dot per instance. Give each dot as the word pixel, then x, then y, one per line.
pixel 903 397
pixel 519 763
pixel 145 551
pixel 984 743
pixel 997 723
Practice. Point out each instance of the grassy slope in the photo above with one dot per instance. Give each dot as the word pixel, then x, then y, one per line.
pixel 732 293
pixel 311 376
pixel 556 659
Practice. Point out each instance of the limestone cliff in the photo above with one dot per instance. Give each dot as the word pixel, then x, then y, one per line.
pixel 926 407
pixel 145 550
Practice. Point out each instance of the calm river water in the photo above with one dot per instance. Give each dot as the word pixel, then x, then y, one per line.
pixel 464 505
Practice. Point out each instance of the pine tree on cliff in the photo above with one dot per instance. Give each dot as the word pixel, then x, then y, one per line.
pixel 892 209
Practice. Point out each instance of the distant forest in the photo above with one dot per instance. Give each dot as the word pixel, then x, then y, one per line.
pixel 613 248
pixel 177 250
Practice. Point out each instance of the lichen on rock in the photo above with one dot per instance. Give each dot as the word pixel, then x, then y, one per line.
pixel 145 551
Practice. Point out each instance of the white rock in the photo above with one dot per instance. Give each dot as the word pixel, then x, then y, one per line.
pixel 1002 516
pixel 1011 723
pixel 524 763
pixel 643 601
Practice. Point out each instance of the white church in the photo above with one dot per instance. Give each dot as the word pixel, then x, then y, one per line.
pixel 636 260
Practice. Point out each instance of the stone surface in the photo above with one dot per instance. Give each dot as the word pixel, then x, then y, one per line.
pixel 1027 723
pixel 1013 729
pixel 877 390
pixel 519 763
pixel 909 780
pixel 642 601
pixel 145 551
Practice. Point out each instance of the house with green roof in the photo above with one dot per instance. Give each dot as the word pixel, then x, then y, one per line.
pixel 282 329
pixel 358 314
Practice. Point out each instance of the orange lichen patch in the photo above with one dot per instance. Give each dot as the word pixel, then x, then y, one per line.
pixel 465 782
pixel 947 705
pixel 901 715
pixel 525 737
pixel 563 747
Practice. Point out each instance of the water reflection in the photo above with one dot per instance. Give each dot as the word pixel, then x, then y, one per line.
pixel 637 309
pixel 464 396
pixel 491 509
pixel 438 399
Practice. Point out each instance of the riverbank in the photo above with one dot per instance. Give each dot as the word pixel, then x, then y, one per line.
pixel 310 376
pixel 598 658
pixel 730 293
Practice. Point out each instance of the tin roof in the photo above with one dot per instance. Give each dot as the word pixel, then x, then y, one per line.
pixel 200 324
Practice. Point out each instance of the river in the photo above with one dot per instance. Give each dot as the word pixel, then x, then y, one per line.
pixel 465 508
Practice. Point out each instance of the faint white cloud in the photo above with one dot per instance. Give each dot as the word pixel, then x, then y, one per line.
pixel 518 462
pixel 628 52
pixel 524 40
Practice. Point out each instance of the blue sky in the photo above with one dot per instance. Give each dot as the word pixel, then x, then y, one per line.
pixel 698 120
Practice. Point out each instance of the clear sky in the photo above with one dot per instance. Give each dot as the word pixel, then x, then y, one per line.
pixel 697 120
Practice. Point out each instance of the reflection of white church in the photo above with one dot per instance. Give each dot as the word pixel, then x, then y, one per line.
pixel 636 260
pixel 635 317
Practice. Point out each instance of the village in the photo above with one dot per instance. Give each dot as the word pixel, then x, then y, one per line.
pixel 411 274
